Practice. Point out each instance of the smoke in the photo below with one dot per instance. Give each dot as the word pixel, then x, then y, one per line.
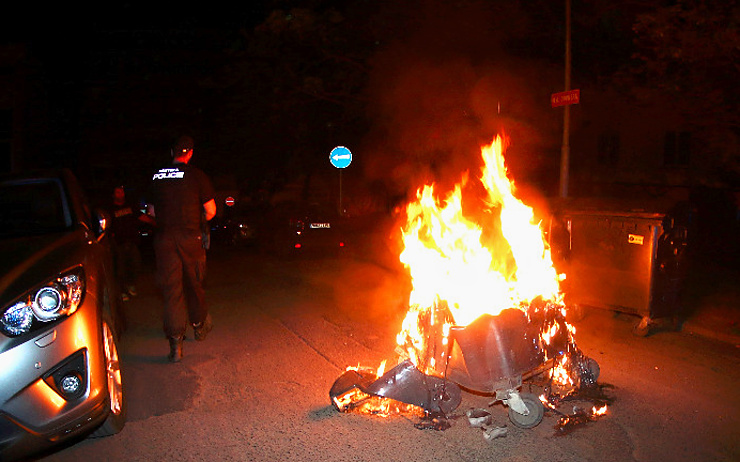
pixel 447 86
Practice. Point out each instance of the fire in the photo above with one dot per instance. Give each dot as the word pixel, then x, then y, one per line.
pixel 483 290
pixel 451 268
pixel 357 400
pixel 560 374
pixel 381 369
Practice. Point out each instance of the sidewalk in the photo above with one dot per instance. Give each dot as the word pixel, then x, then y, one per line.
pixel 719 323
pixel 712 303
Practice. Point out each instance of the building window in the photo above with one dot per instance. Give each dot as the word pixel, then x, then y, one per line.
pixel 609 146
pixel 676 148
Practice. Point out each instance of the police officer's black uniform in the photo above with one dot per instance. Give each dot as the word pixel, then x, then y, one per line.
pixel 179 193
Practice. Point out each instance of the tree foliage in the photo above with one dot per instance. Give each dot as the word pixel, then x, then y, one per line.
pixel 691 49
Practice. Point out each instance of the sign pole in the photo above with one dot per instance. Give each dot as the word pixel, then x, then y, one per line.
pixel 340 157
pixel 340 192
pixel 565 150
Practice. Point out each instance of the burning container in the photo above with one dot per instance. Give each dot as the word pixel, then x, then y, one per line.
pixel 485 312
pixel 495 351
pixel 624 260
pixel 492 355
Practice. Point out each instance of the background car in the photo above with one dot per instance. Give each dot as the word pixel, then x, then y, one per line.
pixel 236 226
pixel 307 228
pixel 60 375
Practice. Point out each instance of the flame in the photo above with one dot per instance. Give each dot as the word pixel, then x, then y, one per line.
pixel 381 369
pixel 462 268
pixel 560 374
pixel 385 407
pixel 451 268
pixel 358 401
pixel 599 411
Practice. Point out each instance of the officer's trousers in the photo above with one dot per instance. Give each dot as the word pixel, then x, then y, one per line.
pixel 181 269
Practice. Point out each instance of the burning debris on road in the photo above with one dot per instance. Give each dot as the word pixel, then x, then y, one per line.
pixel 487 318
pixel 404 384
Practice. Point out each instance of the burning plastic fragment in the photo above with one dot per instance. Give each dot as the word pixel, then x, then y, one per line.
pixel 404 384
pixel 433 421
pixel 580 415
pixel 567 423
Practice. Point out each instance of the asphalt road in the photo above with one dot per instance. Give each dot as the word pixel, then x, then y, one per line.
pixel 257 388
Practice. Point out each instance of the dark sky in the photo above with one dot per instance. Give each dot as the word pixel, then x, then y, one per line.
pixel 437 79
pixel 415 86
pixel 63 32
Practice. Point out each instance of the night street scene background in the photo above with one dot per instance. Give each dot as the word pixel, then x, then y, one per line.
pixel 414 89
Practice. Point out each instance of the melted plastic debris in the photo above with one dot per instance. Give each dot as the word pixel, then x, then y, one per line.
pixel 434 421
pixel 490 434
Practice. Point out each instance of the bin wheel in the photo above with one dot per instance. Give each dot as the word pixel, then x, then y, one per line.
pixel 675 323
pixel 575 313
pixel 592 366
pixel 536 412
pixel 642 328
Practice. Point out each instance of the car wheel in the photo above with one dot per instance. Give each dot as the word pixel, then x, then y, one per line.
pixel 117 416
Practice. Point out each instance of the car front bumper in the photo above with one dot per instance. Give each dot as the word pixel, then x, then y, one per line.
pixel 34 412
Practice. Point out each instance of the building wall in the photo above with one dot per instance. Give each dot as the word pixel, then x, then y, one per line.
pixel 621 147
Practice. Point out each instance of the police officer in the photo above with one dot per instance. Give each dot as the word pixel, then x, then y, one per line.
pixel 126 220
pixel 182 197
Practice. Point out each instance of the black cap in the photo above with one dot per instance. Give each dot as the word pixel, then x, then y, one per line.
pixel 183 145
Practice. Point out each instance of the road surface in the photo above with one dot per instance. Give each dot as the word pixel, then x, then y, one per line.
pixel 257 388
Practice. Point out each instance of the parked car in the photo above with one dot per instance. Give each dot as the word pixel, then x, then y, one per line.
pixel 305 227
pixel 236 227
pixel 60 375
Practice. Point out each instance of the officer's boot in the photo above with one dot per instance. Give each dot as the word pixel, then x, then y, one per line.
pixel 203 328
pixel 175 349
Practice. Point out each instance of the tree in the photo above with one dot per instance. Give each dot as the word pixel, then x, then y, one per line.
pixel 690 50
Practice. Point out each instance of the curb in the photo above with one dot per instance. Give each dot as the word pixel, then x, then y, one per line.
pixel 695 329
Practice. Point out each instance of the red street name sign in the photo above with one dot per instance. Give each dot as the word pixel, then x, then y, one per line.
pixel 565 98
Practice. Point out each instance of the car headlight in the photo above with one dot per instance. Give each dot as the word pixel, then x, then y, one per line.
pixel 57 298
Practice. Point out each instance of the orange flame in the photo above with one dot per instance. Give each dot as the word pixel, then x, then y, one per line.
pixel 462 269
pixel 560 374
pixel 599 411
pixel 450 266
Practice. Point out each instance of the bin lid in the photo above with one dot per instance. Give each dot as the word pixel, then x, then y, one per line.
pixel 599 206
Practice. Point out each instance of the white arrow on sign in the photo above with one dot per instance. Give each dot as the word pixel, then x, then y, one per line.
pixel 342 157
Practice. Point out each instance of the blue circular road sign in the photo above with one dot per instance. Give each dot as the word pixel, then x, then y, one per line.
pixel 340 157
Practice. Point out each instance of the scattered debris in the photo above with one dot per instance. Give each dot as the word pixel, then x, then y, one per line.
pixel 567 423
pixel 490 434
pixel 404 384
pixel 593 396
pixel 433 421
pixel 478 418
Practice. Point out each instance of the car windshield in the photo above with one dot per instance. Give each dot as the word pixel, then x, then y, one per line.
pixel 32 207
